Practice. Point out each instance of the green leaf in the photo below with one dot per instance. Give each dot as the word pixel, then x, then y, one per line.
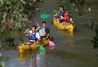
pixel 44 16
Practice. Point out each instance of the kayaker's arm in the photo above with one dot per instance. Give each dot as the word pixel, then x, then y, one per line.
pixel 47 32
pixel 55 15
pixel 61 17
pixel 26 31
pixel 38 36
pixel 71 20
pixel 38 28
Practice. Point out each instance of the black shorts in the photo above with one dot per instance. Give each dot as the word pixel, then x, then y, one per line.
pixel 43 37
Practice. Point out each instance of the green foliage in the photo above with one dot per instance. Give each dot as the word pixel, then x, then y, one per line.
pixel 0 65
pixel 12 12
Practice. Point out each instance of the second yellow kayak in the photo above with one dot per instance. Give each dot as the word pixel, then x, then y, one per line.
pixel 67 27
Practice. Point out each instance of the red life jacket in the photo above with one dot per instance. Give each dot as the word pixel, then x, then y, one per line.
pixel 66 18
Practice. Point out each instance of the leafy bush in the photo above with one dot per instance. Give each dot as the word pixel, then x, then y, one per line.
pixel 12 12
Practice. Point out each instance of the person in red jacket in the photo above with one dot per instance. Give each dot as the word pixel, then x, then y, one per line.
pixel 66 19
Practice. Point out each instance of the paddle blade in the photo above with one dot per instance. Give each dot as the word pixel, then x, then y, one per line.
pixel 55 11
pixel 51 43
pixel 44 16
pixel 41 48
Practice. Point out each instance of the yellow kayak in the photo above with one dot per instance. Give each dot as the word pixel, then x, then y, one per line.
pixel 68 27
pixel 26 47
pixel 23 57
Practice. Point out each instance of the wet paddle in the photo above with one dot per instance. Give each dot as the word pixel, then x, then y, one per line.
pixel 41 48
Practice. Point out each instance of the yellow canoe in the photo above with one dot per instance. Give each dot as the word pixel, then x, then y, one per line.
pixel 67 27
pixel 26 47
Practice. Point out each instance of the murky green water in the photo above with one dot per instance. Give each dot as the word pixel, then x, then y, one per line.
pixel 72 50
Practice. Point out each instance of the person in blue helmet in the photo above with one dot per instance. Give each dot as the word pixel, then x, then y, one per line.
pixel 33 35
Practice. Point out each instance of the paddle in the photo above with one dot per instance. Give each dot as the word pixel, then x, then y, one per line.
pixel 44 16
pixel 55 11
pixel 41 48
pixel 51 42
pixel 36 22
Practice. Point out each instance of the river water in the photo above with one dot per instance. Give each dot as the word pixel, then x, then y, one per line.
pixel 71 50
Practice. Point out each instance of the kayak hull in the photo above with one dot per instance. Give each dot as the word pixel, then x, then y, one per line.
pixel 67 27
pixel 26 47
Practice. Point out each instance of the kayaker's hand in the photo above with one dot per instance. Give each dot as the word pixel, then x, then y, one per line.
pixel 37 42
pixel 61 17
pixel 26 32
pixel 71 20
pixel 28 29
pixel 55 15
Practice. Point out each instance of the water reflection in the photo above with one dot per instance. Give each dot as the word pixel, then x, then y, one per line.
pixel 68 43
pixel 40 59
pixel 23 57
pixel 69 34
pixel 36 58
pixel 2 64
